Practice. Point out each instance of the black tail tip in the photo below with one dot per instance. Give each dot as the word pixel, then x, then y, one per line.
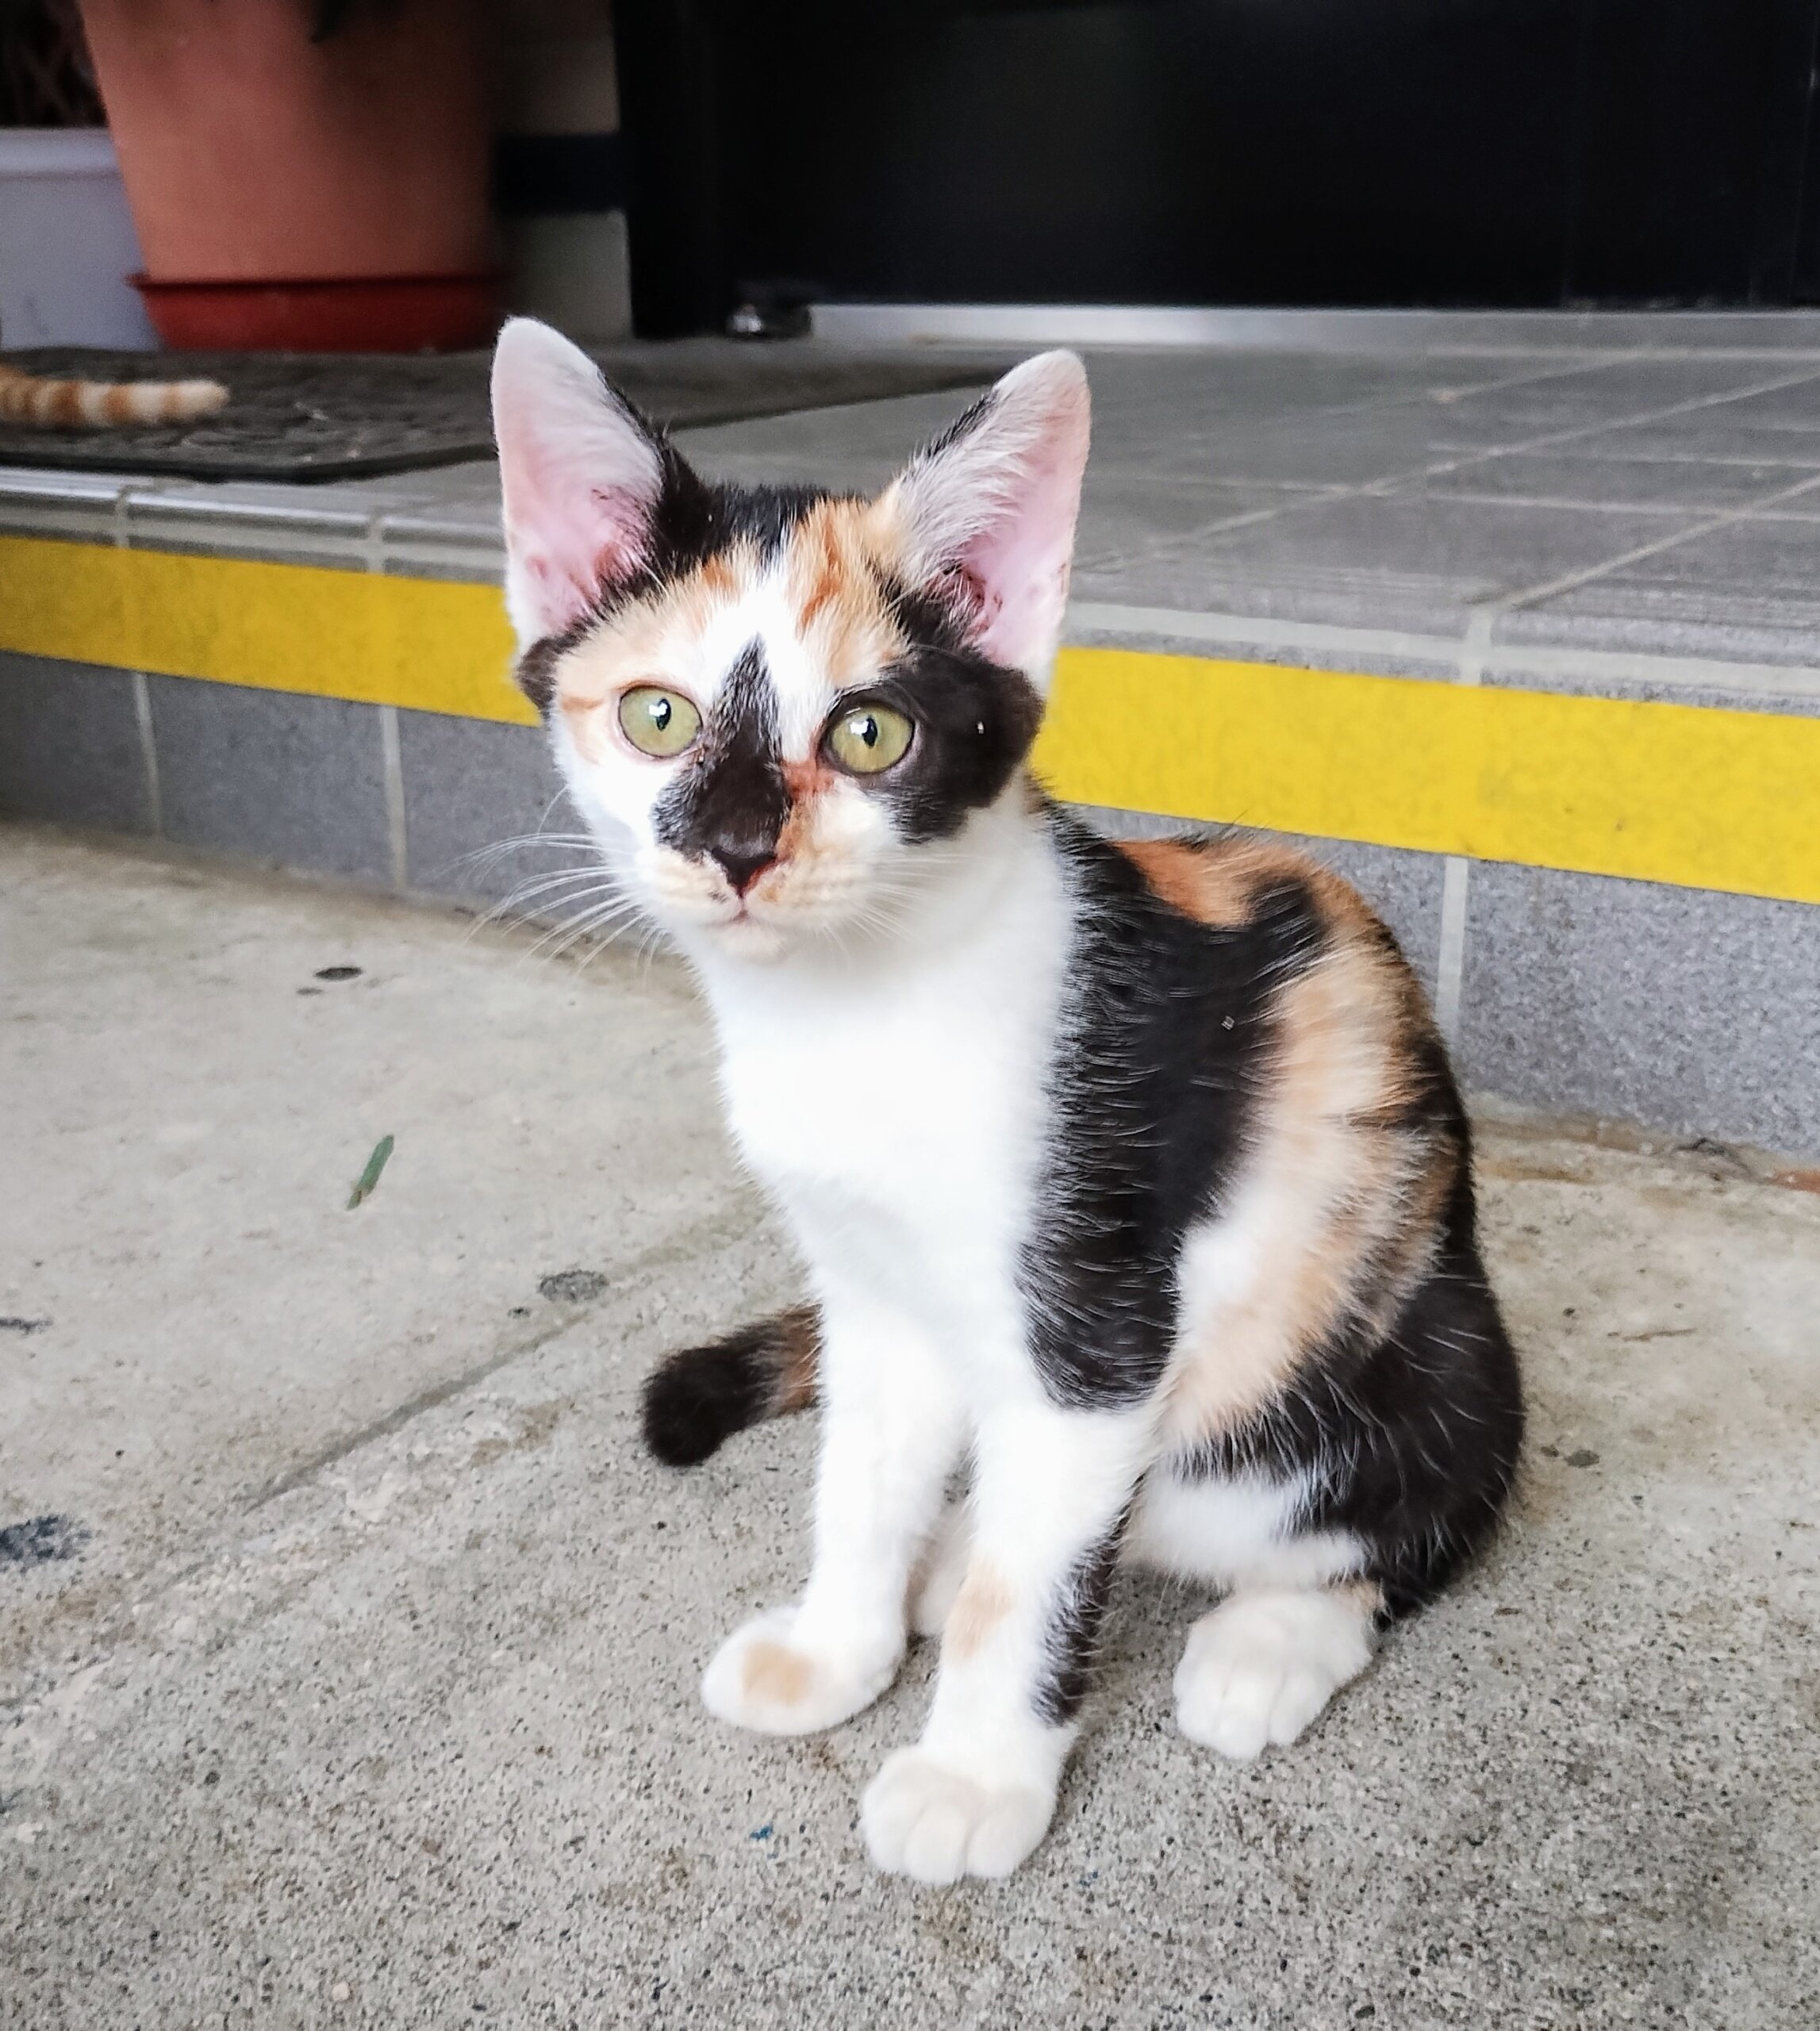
pixel 693 1402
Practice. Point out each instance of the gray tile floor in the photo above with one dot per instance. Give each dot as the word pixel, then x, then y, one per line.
pixel 1513 506
pixel 1653 498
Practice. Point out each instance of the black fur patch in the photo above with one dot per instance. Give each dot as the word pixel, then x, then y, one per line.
pixel 1074 1635
pixel 974 723
pixel 695 1399
pixel 694 519
pixel 1161 1024
pixel 964 425
pixel 1412 1439
pixel 535 670
pixel 730 802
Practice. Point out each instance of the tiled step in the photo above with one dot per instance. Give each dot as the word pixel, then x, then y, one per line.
pixel 1608 523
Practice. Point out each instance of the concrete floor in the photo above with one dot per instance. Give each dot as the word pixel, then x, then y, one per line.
pixel 368 1697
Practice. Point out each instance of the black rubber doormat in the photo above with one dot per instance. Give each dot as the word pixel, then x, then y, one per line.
pixel 303 417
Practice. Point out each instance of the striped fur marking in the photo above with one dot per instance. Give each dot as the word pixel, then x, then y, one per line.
pixel 59 404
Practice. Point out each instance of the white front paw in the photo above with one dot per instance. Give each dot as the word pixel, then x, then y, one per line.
pixel 761 1679
pixel 1259 1668
pixel 921 1818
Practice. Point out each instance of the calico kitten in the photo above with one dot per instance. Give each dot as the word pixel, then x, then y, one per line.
pixel 1134 1177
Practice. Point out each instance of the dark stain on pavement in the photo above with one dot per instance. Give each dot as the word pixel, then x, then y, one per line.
pixel 42 1539
pixel 571 1286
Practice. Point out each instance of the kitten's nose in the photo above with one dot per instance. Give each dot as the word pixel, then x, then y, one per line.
pixel 741 862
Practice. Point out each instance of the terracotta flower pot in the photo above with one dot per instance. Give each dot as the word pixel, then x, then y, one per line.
pixel 332 195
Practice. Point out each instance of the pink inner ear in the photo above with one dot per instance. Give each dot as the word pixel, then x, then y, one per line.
pixel 569 534
pixel 571 538
pixel 581 478
pixel 1015 572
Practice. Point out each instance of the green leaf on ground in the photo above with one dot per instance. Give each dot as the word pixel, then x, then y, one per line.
pixel 369 1180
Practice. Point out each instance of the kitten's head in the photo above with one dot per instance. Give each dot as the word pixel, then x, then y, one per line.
pixel 778 708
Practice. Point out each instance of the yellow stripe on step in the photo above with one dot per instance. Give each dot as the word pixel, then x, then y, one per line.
pixel 1686 794
pixel 417 642
pixel 1690 795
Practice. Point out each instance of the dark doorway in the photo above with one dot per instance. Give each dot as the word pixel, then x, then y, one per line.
pixel 1449 152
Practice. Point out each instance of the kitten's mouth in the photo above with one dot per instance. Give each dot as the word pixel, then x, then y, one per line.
pixel 741 902
pixel 738 915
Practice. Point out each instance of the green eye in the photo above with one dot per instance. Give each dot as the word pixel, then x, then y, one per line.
pixel 867 738
pixel 658 722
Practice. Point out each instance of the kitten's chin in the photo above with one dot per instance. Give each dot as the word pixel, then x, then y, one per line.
pixel 750 941
pixel 765 936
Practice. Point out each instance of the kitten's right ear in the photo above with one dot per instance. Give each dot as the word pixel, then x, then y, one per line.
pixel 582 476
pixel 985 514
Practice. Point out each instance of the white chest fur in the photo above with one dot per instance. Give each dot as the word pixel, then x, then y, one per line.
pixel 893 1103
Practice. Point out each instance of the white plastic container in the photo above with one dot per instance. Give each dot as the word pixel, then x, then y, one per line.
pixel 66 243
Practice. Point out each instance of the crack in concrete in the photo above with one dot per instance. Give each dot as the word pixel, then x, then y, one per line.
pixel 713 1232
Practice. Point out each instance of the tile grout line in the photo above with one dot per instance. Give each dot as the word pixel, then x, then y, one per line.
pixel 1764 510
pixel 1456 875
pixel 1093 618
pixel 1571 581
pixel 1385 483
pixel 1388 485
pixel 392 762
pixel 1239 630
pixel 391 754
pixel 148 752
pixel 1549 439
pixel 1450 961
pixel 141 690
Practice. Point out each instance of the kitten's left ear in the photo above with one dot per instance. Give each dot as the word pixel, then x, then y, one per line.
pixel 986 513
pixel 582 476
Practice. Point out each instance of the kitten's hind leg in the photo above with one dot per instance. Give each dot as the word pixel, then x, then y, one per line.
pixel 1263 1664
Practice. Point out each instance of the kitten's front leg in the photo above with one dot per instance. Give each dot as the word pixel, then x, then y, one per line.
pixel 975 1795
pixel 891 1432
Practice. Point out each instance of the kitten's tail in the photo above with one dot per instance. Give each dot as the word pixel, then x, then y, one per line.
pixel 31 398
pixel 695 1398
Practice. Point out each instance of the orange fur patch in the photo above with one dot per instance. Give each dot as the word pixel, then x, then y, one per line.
pixel 983 1603
pixel 831 569
pixel 1367 1593
pixel 1343 1201
pixel 651 639
pixel 800 1331
pixel 770 1671
pixel 1214 880
pixel 842 615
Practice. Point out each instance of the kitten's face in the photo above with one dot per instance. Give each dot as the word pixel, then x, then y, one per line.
pixel 780 712
pixel 774 737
